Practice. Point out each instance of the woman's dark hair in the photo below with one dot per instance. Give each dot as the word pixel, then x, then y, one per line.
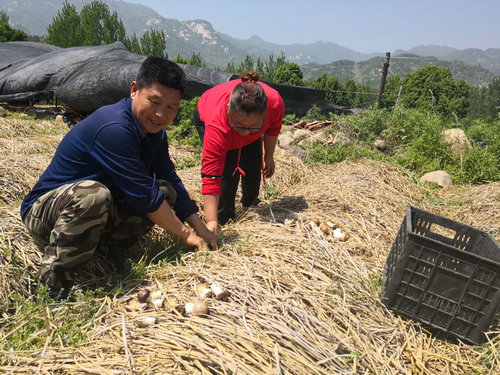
pixel 248 96
pixel 162 71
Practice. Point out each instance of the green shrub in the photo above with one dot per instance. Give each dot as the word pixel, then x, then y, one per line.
pixel 326 154
pixel 479 164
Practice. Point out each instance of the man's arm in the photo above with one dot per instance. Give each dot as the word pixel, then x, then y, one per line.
pixel 165 217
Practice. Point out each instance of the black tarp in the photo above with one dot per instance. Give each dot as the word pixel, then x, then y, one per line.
pixel 86 78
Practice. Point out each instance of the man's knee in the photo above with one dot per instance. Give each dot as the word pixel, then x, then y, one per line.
pixel 171 193
pixel 93 198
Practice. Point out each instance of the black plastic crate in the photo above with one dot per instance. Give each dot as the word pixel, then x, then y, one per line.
pixel 444 274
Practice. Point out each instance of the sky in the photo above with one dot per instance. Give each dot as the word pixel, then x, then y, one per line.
pixel 362 25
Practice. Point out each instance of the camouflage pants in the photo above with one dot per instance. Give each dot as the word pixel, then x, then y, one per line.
pixel 68 224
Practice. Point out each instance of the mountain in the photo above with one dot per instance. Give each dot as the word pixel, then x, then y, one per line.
pixel 218 49
pixel 488 59
pixel 319 52
pixel 184 37
pixel 369 71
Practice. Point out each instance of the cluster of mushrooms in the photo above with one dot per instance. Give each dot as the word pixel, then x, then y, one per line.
pixel 155 300
pixel 327 228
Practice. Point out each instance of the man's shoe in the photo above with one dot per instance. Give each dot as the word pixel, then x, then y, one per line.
pixel 59 283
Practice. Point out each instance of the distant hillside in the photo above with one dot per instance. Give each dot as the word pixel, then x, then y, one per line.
pixel 319 52
pixel 184 37
pixel 369 71
pixel 488 59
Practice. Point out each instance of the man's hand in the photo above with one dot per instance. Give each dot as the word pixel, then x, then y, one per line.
pixel 202 230
pixel 193 240
pixel 269 166
pixel 209 237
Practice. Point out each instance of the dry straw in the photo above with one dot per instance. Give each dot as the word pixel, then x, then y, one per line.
pixel 300 302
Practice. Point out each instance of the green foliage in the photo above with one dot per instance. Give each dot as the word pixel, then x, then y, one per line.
pixel 195 60
pixel 391 91
pixel 415 141
pixel 326 154
pixel 485 101
pixel 182 130
pixel 94 26
pixel 348 94
pixel 289 74
pixel 153 43
pixel 69 323
pixel 433 88
pixel 7 33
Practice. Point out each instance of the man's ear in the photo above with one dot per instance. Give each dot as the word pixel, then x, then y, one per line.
pixel 134 88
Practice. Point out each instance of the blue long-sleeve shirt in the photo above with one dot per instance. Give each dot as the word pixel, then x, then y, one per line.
pixel 110 147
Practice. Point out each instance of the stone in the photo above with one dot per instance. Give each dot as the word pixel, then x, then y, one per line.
pixel 380 144
pixel 315 138
pixel 59 119
pixel 285 139
pixel 3 112
pixel 301 134
pixel 441 178
pixel 299 152
pixel 457 140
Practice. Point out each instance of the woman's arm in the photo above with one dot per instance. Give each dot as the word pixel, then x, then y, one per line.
pixel 269 147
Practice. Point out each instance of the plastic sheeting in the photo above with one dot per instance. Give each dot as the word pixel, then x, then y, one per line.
pixel 86 78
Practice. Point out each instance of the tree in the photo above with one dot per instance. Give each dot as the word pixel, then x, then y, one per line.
pixel 7 33
pixel 153 43
pixel 99 26
pixel 246 65
pixel 433 88
pixel 64 30
pixel 197 60
pixel 289 74
pixel 485 101
pixel 332 86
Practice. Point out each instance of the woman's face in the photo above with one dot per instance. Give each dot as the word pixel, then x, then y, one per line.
pixel 246 124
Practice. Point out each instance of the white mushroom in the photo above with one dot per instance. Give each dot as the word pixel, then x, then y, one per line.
pixel 220 294
pixel 340 235
pixel 196 308
pixel 204 290
pixel 146 321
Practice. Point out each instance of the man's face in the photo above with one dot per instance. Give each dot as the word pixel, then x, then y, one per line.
pixel 155 106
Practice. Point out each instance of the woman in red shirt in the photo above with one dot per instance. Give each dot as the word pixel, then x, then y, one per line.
pixel 235 121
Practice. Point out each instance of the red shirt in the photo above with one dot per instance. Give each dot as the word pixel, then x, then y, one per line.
pixel 220 137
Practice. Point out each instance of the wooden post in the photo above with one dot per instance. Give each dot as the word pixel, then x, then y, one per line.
pixel 399 96
pixel 385 68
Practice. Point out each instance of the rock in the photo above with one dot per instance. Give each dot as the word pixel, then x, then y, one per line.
pixel 301 134
pixel 59 119
pixel 441 178
pixel 380 144
pixel 3 112
pixel 299 152
pixel 315 137
pixel 285 139
pixel 457 140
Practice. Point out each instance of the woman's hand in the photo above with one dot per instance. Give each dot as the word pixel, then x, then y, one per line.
pixel 269 166
pixel 213 226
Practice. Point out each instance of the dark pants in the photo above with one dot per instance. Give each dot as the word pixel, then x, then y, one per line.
pixel 250 162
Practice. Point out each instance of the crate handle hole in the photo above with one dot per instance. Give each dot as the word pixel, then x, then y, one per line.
pixel 443 231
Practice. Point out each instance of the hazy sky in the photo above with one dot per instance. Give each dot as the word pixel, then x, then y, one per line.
pixel 362 25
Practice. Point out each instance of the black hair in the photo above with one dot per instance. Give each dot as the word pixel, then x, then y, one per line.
pixel 162 71
pixel 248 96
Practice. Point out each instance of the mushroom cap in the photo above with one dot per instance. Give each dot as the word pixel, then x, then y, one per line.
pixel 324 228
pixel 199 308
pixel 143 294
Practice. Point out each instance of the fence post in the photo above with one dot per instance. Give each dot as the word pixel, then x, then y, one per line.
pixel 385 68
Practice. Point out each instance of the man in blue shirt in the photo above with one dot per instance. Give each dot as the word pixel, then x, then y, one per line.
pixel 112 178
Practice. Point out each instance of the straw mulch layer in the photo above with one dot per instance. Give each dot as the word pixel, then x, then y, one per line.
pixel 300 302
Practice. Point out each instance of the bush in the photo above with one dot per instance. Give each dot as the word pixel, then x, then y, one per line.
pixel 325 154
